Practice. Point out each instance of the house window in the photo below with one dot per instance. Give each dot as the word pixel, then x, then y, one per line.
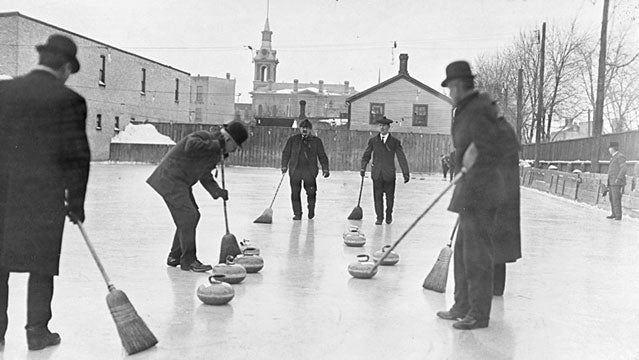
pixel 420 115
pixel 198 115
pixel 143 85
pixel 198 94
pixel 177 90
pixel 259 110
pixel 98 122
pixel 377 112
pixel 117 124
pixel 274 110
pixel 102 78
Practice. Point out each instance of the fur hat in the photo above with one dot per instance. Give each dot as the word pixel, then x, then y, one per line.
pixel 305 123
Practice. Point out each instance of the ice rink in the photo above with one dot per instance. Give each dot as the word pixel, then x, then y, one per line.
pixel 573 295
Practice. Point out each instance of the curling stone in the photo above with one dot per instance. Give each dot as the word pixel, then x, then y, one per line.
pixel 361 268
pixel 391 259
pixel 246 243
pixel 353 237
pixel 216 292
pixel 250 259
pixel 233 273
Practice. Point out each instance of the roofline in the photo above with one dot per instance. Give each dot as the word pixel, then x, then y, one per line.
pixel 392 80
pixel 15 13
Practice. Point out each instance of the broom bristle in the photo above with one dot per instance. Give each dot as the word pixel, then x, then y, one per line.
pixel 436 279
pixel 229 247
pixel 356 214
pixel 134 333
pixel 265 218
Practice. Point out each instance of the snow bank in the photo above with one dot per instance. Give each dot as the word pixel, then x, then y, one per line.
pixel 141 134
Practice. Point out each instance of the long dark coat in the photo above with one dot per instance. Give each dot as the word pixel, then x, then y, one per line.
pixel 191 160
pixel 293 148
pixel 43 153
pixel 493 181
pixel 383 166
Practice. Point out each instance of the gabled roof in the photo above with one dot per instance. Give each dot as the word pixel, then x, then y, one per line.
pixel 394 79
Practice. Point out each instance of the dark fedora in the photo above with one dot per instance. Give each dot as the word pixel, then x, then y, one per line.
pixel 238 132
pixel 614 144
pixel 63 46
pixel 306 123
pixel 457 70
pixel 384 120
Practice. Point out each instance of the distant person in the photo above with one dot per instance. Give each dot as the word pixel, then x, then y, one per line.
pixel 191 160
pixel 383 148
pixel 443 158
pixel 616 179
pixel 300 156
pixel 44 168
pixel 452 167
pixel 477 198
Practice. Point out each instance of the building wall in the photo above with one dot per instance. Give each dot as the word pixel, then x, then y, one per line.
pixel 398 99
pixel 217 105
pixel 119 97
pixel 288 105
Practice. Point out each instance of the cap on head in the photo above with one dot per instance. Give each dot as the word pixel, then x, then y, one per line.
pixel 614 144
pixel 63 46
pixel 238 132
pixel 385 121
pixel 305 123
pixel 457 70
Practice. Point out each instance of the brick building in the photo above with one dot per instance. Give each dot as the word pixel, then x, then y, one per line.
pixel 212 99
pixel 414 106
pixel 119 86
pixel 275 102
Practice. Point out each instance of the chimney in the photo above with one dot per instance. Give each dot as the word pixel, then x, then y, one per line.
pixel 346 89
pixel 403 64
pixel 228 76
pixel 321 86
pixel 302 110
pixel 295 85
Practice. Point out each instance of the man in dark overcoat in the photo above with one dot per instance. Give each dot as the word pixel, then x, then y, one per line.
pixel 301 154
pixel 616 179
pixel 383 148
pixel 476 198
pixel 44 168
pixel 191 160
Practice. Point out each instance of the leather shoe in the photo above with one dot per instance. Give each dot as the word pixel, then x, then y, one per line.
pixel 297 217
pixel 469 323
pixel 311 214
pixel 171 261
pixel 450 315
pixel 610 217
pixel 389 219
pixel 38 339
pixel 618 218
pixel 196 266
pixel 378 222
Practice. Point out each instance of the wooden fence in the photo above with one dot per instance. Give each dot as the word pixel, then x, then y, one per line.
pixel 579 149
pixel 343 147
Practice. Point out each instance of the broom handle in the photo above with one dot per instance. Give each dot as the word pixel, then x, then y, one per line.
pixel 361 186
pixel 93 253
pixel 226 218
pixel 452 235
pixel 385 254
pixel 276 191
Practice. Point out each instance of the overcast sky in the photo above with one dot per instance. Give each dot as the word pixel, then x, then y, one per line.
pixel 330 40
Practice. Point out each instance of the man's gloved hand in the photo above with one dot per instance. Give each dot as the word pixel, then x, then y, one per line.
pixel 362 172
pixel 406 178
pixel 326 173
pixel 284 170
pixel 75 211
pixel 221 193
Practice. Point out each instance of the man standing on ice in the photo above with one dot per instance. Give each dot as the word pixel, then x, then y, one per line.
pixel 191 160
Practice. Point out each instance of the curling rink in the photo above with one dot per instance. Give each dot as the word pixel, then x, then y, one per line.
pixel 573 295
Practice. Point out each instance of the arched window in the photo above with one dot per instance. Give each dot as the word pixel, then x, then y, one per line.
pixel 263 73
pixel 274 110
pixel 259 110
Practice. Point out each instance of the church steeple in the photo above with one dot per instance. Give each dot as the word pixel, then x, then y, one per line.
pixel 265 60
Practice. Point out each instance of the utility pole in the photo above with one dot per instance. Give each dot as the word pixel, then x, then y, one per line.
pixel 597 121
pixel 589 133
pixel 540 97
pixel 520 90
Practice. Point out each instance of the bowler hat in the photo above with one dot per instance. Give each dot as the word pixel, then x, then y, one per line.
pixel 63 46
pixel 238 132
pixel 457 70
pixel 306 123
pixel 614 144
pixel 385 121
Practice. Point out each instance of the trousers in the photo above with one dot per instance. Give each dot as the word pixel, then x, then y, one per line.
pixel 615 200
pixel 381 187
pixel 186 216
pixel 297 179
pixel 39 296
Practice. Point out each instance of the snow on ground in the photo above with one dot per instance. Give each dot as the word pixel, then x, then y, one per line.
pixel 141 134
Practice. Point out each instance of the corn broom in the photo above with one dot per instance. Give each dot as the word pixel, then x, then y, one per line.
pixel 438 275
